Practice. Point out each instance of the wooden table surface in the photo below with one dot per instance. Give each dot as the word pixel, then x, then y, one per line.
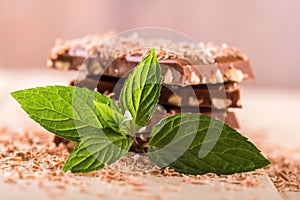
pixel 273 112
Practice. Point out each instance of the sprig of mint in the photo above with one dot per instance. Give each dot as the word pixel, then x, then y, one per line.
pixel 106 132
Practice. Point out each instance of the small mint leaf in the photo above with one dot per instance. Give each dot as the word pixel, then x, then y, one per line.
pixel 126 124
pixel 109 117
pixel 96 149
pixel 179 142
pixel 141 90
pixel 64 111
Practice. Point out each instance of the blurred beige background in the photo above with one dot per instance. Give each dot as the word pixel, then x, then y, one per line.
pixel 267 31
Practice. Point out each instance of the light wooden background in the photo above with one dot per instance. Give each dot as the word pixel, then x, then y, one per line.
pixel 268 31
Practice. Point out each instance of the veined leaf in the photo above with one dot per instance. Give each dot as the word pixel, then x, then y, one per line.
pixel 96 149
pixel 113 119
pixel 65 111
pixel 141 90
pixel 177 142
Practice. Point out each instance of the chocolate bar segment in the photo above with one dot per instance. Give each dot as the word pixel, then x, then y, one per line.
pixel 198 97
pixel 224 115
pixel 217 96
pixel 182 63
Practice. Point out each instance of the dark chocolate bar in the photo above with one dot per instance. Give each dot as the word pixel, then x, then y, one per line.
pixel 217 96
pixel 182 63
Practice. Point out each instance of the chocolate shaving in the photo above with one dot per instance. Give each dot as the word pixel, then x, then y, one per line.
pixel 39 158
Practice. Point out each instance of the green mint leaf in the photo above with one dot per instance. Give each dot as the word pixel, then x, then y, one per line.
pixel 141 90
pixel 96 149
pixel 62 110
pixel 177 140
pixel 109 117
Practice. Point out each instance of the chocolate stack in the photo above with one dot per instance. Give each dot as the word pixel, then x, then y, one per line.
pixel 196 77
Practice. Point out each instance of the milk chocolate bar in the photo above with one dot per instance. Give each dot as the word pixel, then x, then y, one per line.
pixel 224 115
pixel 182 63
pixel 218 96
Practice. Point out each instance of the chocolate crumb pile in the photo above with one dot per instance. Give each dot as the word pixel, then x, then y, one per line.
pixel 33 155
pixel 285 170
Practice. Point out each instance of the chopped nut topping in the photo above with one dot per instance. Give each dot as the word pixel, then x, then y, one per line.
pixel 62 65
pixel 202 53
pixel 234 74
pixel 175 100
pixel 168 77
